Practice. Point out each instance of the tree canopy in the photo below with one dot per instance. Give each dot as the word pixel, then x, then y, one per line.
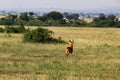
pixel 55 15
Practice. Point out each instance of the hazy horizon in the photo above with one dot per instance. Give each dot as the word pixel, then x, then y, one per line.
pixel 62 4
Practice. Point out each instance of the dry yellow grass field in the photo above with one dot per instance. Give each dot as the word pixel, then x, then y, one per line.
pixel 96 56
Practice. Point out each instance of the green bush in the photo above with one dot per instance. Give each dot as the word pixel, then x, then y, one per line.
pixel 1 30
pixel 117 24
pixel 15 29
pixel 35 23
pixel 39 35
pixel 92 24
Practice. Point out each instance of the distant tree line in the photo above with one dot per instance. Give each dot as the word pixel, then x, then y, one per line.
pixel 55 18
pixel 105 21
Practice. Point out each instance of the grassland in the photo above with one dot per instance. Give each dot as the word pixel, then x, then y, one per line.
pixel 96 56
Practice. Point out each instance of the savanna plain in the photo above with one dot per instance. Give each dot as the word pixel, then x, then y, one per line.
pixel 96 56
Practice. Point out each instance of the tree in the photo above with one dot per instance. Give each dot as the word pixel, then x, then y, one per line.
pixel 74 16
pixel 8 20
pixel 31 17
pixel 24 16
pixel 54 15
pixel 95 19
pixel 31 13
pixel 65 14
pixel 42 18
pixel 101 17
pixel 111 17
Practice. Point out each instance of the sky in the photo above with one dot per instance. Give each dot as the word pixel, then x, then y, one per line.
pixel 62 4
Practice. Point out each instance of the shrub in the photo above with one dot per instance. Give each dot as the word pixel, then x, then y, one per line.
pixel 14 29
pixel 20 22
pixel 9 29
pixel 35 23
pixel 74 23
pixel 1 30
pixel 117 24
pixel 92 24
pixel 39 35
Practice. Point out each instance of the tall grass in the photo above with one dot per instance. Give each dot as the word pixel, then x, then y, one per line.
pixel 96 56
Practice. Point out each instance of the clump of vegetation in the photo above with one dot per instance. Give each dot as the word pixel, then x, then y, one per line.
pixel 40 35
pixel 55 18
pixel 14 29
pixel 105 21
pixel 1 30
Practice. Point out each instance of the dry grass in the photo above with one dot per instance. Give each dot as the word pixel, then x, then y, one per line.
pixel 96 56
